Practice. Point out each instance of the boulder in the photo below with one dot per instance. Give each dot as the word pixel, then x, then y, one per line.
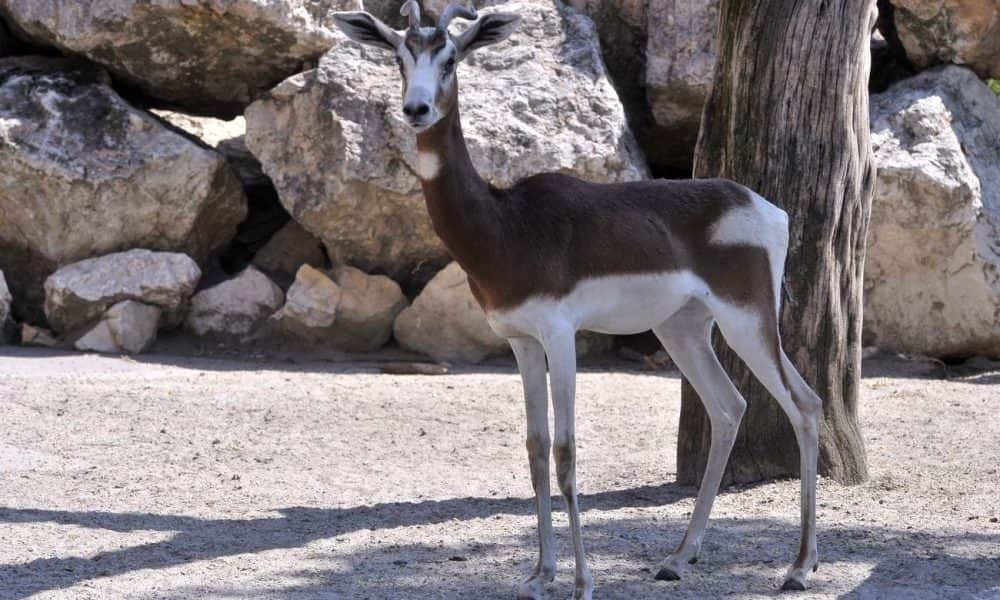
pixel 367 309
pixel 446 323
pixel 335 144
pixel 932 273
pixel 128 327
pixel 83 174
pixel 286 251
pixel 210 57
pixel 964 32
pixel 310 309
pixel 80 293
pixel 680 57
pixel 235 308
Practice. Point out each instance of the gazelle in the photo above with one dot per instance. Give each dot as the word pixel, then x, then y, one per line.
pixel 554 254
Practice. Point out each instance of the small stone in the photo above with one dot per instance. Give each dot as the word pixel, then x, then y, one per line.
pixel 310 309
pixel 36 336
pixel 128 327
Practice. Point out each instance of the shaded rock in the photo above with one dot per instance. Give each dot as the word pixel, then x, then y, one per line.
pixel 446 323
pixel 680 57
pixel 80 293
pixel 286 251
pixel 128 327
pixel 310 309
pixel 964 32
pixel 234 308
pixel 210 57
pixel 5 300
pixel 83 174
pixel 932 273
pixel 888 66
pixel 37 336
pixel 335 144
pixel 367 309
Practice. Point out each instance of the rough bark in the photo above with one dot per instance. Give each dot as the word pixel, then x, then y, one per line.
pixel 788 117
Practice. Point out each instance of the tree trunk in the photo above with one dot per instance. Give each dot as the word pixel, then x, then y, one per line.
pixel 788 117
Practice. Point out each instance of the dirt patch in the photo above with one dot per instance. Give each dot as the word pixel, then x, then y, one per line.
pixel 166 477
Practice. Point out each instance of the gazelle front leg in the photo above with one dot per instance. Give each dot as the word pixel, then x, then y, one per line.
pixel 531 363
pixel 560 347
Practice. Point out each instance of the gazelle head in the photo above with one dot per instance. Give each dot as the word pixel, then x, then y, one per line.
pixel 428 56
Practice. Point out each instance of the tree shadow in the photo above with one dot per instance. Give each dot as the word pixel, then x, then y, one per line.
pixel 739 555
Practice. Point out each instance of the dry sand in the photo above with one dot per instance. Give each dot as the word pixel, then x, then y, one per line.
pixel 165 477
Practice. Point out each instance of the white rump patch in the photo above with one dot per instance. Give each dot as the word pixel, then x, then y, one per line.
pixel 428 165
pixel 760 224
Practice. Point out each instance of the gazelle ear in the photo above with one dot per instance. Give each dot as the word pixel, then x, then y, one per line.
pixel 489 29
pixel 366 29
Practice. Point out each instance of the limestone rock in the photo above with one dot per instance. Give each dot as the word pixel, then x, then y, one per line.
pixel 80 293
pixel 83 174
pixel 680 57
pixel 367 309
pixel 446 323
pixel 932 273
pixel 964 32
pixel 37 336
pixel 310 309
pixel 336 145
pixel 234 308
pixel 286 251
pixel 5 300
pixel 210 57
pixel 128 327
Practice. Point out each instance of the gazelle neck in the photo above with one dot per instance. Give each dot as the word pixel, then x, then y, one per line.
pixel 460 203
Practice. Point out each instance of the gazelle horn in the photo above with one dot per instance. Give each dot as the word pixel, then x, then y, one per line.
pixel 411 8
pixel 452 11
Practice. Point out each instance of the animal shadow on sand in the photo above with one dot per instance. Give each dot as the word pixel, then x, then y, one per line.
pixel 739 556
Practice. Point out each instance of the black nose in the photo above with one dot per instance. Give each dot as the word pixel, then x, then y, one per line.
pixel 416 109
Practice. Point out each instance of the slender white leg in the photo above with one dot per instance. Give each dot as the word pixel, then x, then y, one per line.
pixel 560 346
pixel 531 362
pixel 687 338
pixel 761 351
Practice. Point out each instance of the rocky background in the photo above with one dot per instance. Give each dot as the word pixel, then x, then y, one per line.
pixel 236 174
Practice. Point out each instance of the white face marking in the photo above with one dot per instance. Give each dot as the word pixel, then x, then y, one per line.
pixel 425 77
pixel 428 165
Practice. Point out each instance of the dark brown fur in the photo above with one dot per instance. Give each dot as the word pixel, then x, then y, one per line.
pixel 547 232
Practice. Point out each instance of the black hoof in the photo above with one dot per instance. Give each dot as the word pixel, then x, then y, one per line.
pixel 666 574
pixel 793 585
pixel 694 559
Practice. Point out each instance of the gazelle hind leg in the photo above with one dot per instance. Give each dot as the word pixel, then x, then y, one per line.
pixel 753 335
pixel 687 338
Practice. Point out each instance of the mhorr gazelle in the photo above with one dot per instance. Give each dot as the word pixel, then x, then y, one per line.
pixel 553 254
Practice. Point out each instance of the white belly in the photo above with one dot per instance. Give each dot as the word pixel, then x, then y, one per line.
pixel 617 304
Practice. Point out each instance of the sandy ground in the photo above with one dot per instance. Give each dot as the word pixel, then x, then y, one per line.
pixel 167 477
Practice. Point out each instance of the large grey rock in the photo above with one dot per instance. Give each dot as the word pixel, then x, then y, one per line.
pixel 235 308
pixel 310 310
pixel 80 293
pixel 680 57
pixel 128 327
pixel 965 32
pixel 207 56
pixel 83 174
pixel 932 273
pixel 446 323
pixel 367 309
pixel 335 144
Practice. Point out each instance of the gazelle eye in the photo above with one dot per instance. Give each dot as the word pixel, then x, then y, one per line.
pixel 448 66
